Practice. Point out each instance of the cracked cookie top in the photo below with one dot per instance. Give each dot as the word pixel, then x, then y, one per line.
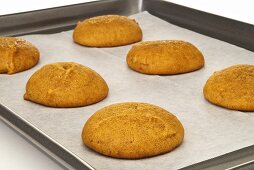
pixel 232 88
pixel 66 84
pixel 17 55
pixel 132 130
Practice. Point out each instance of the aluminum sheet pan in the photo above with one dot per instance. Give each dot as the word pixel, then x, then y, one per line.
pixel 210 131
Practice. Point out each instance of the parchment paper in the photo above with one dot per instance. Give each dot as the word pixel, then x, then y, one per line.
pixel 210 130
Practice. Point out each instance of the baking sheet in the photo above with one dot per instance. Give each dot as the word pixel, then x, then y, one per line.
pixel 210 131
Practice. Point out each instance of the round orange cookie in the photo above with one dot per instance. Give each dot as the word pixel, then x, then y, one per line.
pixel 164 57
pixel 65 84
pixel 17 55
pixel 232 88
pixel 132 130
pixel 107 31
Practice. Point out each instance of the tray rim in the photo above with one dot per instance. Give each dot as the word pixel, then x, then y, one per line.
pixel 34 141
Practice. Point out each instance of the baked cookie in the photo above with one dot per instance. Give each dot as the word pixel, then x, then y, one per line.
pixel 164 57
pixel 65 84
pixel 232 88
pixel 132 131
pixel 17 55
pixel 107 31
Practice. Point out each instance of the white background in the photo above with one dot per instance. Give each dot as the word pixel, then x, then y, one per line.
pixel 15 151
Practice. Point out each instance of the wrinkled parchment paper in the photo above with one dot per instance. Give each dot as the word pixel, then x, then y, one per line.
pixel 210 131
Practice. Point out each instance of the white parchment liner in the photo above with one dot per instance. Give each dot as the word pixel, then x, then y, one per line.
pixel 210 131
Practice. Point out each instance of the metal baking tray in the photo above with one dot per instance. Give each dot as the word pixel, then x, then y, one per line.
pixel 65 18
